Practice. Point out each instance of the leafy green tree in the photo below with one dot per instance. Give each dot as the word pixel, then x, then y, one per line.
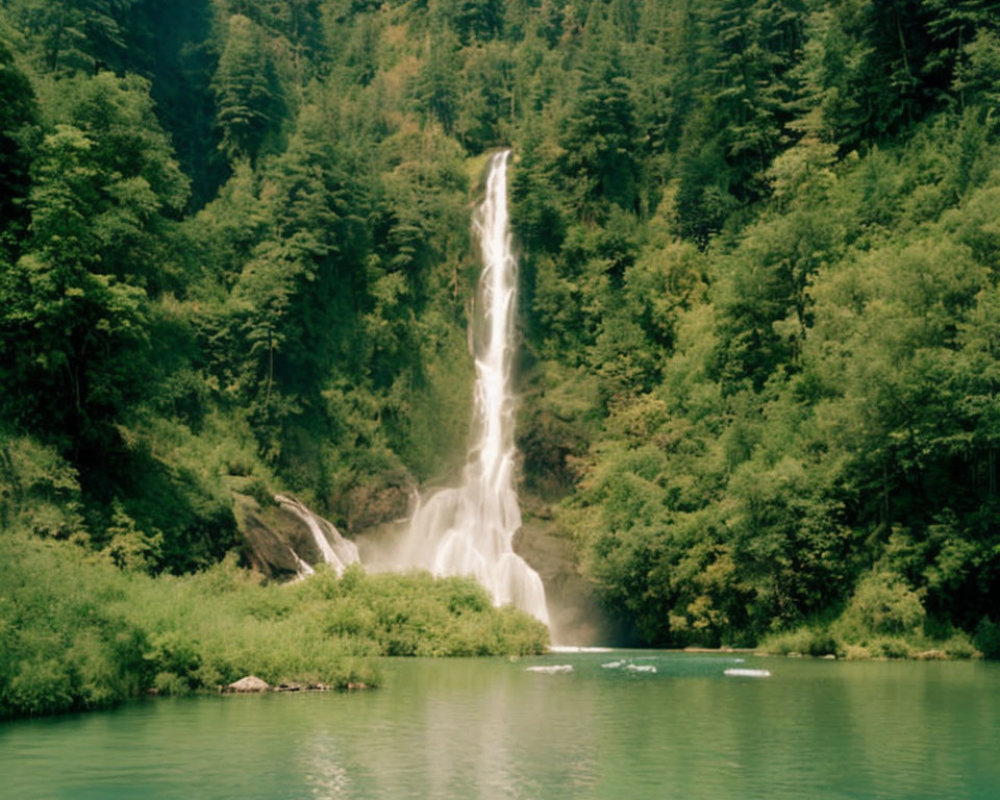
pixel 75 35
pixel 248 94
pixel 17 112
pixel 478 20
pixel 74 337
pixel 436 88
pixel 601 142
pixel 489 105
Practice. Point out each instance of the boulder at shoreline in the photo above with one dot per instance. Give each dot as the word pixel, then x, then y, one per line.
pixel 251 683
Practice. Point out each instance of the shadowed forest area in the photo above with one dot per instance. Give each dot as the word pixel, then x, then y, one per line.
pixel 760 313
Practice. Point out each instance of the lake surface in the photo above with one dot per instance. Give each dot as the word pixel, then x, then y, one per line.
pixel 492 728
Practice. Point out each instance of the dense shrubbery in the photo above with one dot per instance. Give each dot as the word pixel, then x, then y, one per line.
pixel 63 642
pixel 76 632
pixel 883 619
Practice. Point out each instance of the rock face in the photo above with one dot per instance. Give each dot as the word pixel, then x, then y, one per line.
pixel 267 537
pixel 576 615
pixel 249 684
pixel 274 537
pixel 386 499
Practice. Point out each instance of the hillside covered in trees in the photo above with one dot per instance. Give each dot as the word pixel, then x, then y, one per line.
pixel 760 335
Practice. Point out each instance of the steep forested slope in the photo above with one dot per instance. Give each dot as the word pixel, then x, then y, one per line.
pixel 759 274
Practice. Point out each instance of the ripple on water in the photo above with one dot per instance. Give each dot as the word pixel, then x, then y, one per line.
pixel 486 728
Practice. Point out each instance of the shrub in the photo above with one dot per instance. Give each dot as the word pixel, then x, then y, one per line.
pixel 882 605
pixel 62 644
pixel 891 647
pixel 987 638
pixel 40 686
pixel 886 619
pixel 807 641
pixel 960 646
pixel 171 684
pixel 75 632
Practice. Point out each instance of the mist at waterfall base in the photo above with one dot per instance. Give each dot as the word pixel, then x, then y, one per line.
pixel 469 529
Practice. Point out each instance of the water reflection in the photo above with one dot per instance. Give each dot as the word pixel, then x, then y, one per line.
pixel 492 729
pixel 471 730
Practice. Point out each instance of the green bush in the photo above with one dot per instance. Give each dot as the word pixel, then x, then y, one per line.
pixel 64 644
pixel 77 633
pixel 891 647
pixel 882 605
pixel 885 619
pixel 40 686
pixel 171 684
pixel 960 646
pixel 987 638
pixel 806 641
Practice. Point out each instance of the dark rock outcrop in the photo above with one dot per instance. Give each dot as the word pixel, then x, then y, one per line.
pixel 576 615
pixel 385 499
pixel 274 536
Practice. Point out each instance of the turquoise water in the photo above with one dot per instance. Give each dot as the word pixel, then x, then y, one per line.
pixel 491 728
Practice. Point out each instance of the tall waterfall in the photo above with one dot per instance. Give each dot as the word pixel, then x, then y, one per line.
pixel 469 530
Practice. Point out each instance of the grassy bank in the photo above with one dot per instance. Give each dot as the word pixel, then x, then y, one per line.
pixel 78 633
pixel 884 619
pixel 820 641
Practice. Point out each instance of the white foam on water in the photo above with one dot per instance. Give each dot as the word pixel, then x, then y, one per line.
pixel 554 669
pixel 747 673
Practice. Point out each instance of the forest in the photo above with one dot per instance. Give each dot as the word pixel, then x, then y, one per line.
pixel 759 310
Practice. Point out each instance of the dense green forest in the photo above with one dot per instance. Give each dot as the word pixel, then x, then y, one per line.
pixel 760 333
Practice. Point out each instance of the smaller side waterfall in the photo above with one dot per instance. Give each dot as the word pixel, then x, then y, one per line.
pixel 337 551
pixel 469 530
pixel 302 568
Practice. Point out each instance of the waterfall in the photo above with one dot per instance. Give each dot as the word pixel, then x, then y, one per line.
pixel 337 551
pixel 302 568
pixel 469 530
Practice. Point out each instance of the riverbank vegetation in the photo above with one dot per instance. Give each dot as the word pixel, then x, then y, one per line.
pixel 77 632
pixel 759 284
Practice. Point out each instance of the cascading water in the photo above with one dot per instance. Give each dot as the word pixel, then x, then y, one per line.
pixel 336 551
pixel 469 530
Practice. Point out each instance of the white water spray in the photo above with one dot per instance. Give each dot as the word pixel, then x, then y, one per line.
pixel 337 551
pixel 469 530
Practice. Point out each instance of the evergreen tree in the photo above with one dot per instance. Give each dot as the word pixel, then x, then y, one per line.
pixel 248 94
pixel 17 112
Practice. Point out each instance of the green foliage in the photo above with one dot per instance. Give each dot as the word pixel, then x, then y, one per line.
pixel 987 638
pixel 17 111
pixel 758 309
pixel 39 490
pixel 825 385
pixel 63 645
pixel 247 89
pixel 882 605
pixel 805 641
pixel 77 632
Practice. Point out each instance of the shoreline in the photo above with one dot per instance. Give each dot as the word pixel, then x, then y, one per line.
pixel 853 653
